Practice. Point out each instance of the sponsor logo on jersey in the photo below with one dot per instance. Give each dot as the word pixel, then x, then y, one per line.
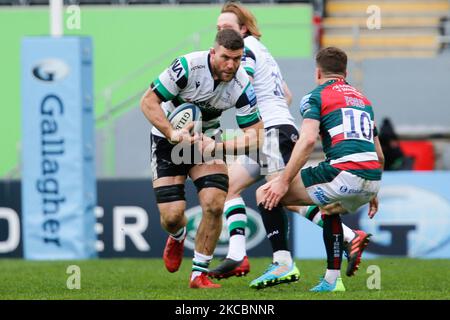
pixel 304 104
pixel 320 196
pixel 226 97
pixel 352 101
pixel 251 95
pixel 345 189
pixel 254 231
pixel 198 67
pixel 345 88
pixel 177 67
pixel 239 83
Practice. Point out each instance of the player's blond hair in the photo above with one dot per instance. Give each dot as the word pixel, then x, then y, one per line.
pixel 245 17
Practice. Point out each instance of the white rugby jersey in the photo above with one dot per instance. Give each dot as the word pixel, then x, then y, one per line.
pixel 189 79
pixel 267 82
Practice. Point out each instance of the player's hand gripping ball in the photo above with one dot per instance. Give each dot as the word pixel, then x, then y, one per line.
pixel 185 116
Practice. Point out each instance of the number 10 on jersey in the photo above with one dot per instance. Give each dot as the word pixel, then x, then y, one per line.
pixel 357 124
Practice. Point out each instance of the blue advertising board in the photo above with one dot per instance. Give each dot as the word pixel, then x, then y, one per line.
pixel 413 219
pixel 58 177
pixel 128 222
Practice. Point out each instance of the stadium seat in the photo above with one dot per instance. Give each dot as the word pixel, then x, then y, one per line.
pixel 9 2
pixel 255 1
pixel 196 1
pixel 94 2
pixel 132 2
pixel 409 28
pixel 422 152
pixel 37 2
pixel 290 1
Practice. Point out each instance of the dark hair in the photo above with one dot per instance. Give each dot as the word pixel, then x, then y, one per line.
pixel 332 60
pixel 229 39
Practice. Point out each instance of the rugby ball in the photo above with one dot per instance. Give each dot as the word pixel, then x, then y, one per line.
pixel 184 114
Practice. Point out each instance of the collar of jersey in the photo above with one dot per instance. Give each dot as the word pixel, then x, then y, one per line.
pixel 209 65
pixel 336 80
pixel 216 82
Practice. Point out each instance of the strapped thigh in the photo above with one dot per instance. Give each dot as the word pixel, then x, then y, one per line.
pixel 218 180
pixel 169 193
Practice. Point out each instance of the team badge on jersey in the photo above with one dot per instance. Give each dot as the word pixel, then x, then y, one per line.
pixel 304 105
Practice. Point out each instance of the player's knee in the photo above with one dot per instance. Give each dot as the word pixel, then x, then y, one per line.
pixel 293 208
pixel 213 203
pixel 333 208
pixel 172 220
pixel 213 200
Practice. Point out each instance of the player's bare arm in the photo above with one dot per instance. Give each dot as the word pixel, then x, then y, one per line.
pixel 250 140
pixel 373 204
pixel 151 107
pixel 287 93
pixel 277 188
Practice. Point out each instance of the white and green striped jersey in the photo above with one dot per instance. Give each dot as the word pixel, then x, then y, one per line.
pixel 190 79
pixel 268 83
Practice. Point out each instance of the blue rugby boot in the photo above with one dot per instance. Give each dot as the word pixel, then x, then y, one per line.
pixel 276 273
pixel 325 286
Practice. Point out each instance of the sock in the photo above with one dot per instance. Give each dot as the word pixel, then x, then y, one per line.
pixel 179 235
pixel 332 275
pixel 348 233
pixel 282 257
pixel 200 264
pixel 333 239
pixel 277 227
pixel 312 213
pixel 236 222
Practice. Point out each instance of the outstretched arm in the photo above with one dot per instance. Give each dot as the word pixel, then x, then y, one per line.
pixel 373 204
pixel 302 150
pixel 276 189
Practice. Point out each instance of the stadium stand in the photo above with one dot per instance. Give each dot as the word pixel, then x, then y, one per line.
pixel 134 2
pixel 408 28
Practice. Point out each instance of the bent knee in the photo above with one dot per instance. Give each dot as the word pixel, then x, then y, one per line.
pixel 172 221
pixel 213 203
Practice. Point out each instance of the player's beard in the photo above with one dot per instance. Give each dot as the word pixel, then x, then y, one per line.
pixel 224 75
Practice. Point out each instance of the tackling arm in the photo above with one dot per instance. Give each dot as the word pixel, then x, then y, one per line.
pixel 302 150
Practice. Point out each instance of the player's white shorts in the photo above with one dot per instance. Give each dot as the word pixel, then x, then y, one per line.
pixel 326 185
pixel 279 141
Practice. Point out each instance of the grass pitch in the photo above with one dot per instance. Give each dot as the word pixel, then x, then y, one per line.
pixel 148 279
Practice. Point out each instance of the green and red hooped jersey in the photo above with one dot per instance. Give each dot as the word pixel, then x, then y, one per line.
pixel 347 127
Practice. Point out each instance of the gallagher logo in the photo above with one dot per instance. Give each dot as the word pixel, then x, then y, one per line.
pixel 50 70
pixel 254 232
